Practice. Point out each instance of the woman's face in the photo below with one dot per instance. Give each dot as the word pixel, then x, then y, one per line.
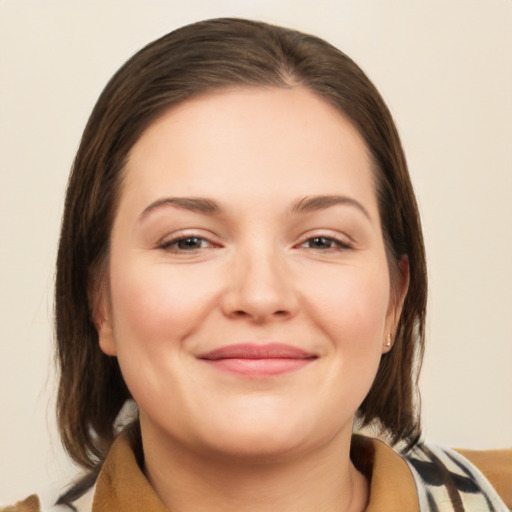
pixel 247 294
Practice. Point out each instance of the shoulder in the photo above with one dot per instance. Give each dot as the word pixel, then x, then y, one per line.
pixel 48 502
pixel 469 480
pixel 496 466
pixel 30 504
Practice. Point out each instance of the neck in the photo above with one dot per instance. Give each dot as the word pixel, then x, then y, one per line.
pixel 322 480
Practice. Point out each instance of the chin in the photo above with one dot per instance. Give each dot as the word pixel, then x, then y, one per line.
pixel 263 438
pixel 258 447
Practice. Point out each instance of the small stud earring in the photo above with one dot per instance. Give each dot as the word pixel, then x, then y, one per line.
pixel 388 340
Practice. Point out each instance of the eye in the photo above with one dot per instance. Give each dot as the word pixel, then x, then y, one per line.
pixel 324 243
pixel 187 244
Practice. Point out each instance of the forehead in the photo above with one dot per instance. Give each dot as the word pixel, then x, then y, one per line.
pixel 267 142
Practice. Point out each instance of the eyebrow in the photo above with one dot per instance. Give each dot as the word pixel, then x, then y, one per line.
pixel 193 204
pixel 313 203
pixel 210 207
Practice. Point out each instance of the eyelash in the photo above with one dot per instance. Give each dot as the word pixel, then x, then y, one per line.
pixel 173 244
pixel 335 244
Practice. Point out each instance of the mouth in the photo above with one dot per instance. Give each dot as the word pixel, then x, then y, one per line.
pixel 253 360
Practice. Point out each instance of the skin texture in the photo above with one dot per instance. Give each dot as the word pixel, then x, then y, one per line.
pixel 268 265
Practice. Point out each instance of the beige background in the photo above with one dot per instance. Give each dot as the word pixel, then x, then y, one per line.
pixel 445 68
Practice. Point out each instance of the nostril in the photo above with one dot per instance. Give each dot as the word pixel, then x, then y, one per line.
pixel 240 313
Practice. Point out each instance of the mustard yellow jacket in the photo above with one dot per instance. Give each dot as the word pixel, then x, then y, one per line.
pixel 122 486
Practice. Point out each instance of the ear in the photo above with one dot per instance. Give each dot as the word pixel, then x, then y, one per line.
pixel 399 288
pixel 99 299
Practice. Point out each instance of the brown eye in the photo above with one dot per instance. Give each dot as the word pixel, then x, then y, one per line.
pixel 320 242
pixel 189 243
pixel 324 243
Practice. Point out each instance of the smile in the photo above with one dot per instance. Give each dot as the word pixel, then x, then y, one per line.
pixel 258 360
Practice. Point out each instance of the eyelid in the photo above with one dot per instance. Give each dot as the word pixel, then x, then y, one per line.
pixel 166 241
pixel 343 240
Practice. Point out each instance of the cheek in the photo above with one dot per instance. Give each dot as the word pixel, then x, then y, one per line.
pixel 349 306
pixel 157 302
pixel 351 311
pixel 156 309
pixel 352 308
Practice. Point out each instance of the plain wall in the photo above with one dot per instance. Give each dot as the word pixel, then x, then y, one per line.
pixel 445 69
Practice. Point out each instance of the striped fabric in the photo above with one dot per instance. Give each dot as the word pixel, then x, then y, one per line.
pixel 447 482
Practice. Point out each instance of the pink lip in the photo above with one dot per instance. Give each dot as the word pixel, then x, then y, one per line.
pixel 258 360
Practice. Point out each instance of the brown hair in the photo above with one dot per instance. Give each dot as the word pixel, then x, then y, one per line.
pixel 192 60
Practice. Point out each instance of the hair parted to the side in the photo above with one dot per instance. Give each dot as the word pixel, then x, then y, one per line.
pixel 197 59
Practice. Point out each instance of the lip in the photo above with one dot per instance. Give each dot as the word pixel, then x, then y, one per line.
pixel 253 360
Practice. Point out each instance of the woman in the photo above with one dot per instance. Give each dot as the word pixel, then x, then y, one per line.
pixel 240 279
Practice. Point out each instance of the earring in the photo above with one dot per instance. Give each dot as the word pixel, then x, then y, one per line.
pixel 388 340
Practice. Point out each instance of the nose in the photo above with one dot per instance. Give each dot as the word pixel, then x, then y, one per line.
pixel 260 288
